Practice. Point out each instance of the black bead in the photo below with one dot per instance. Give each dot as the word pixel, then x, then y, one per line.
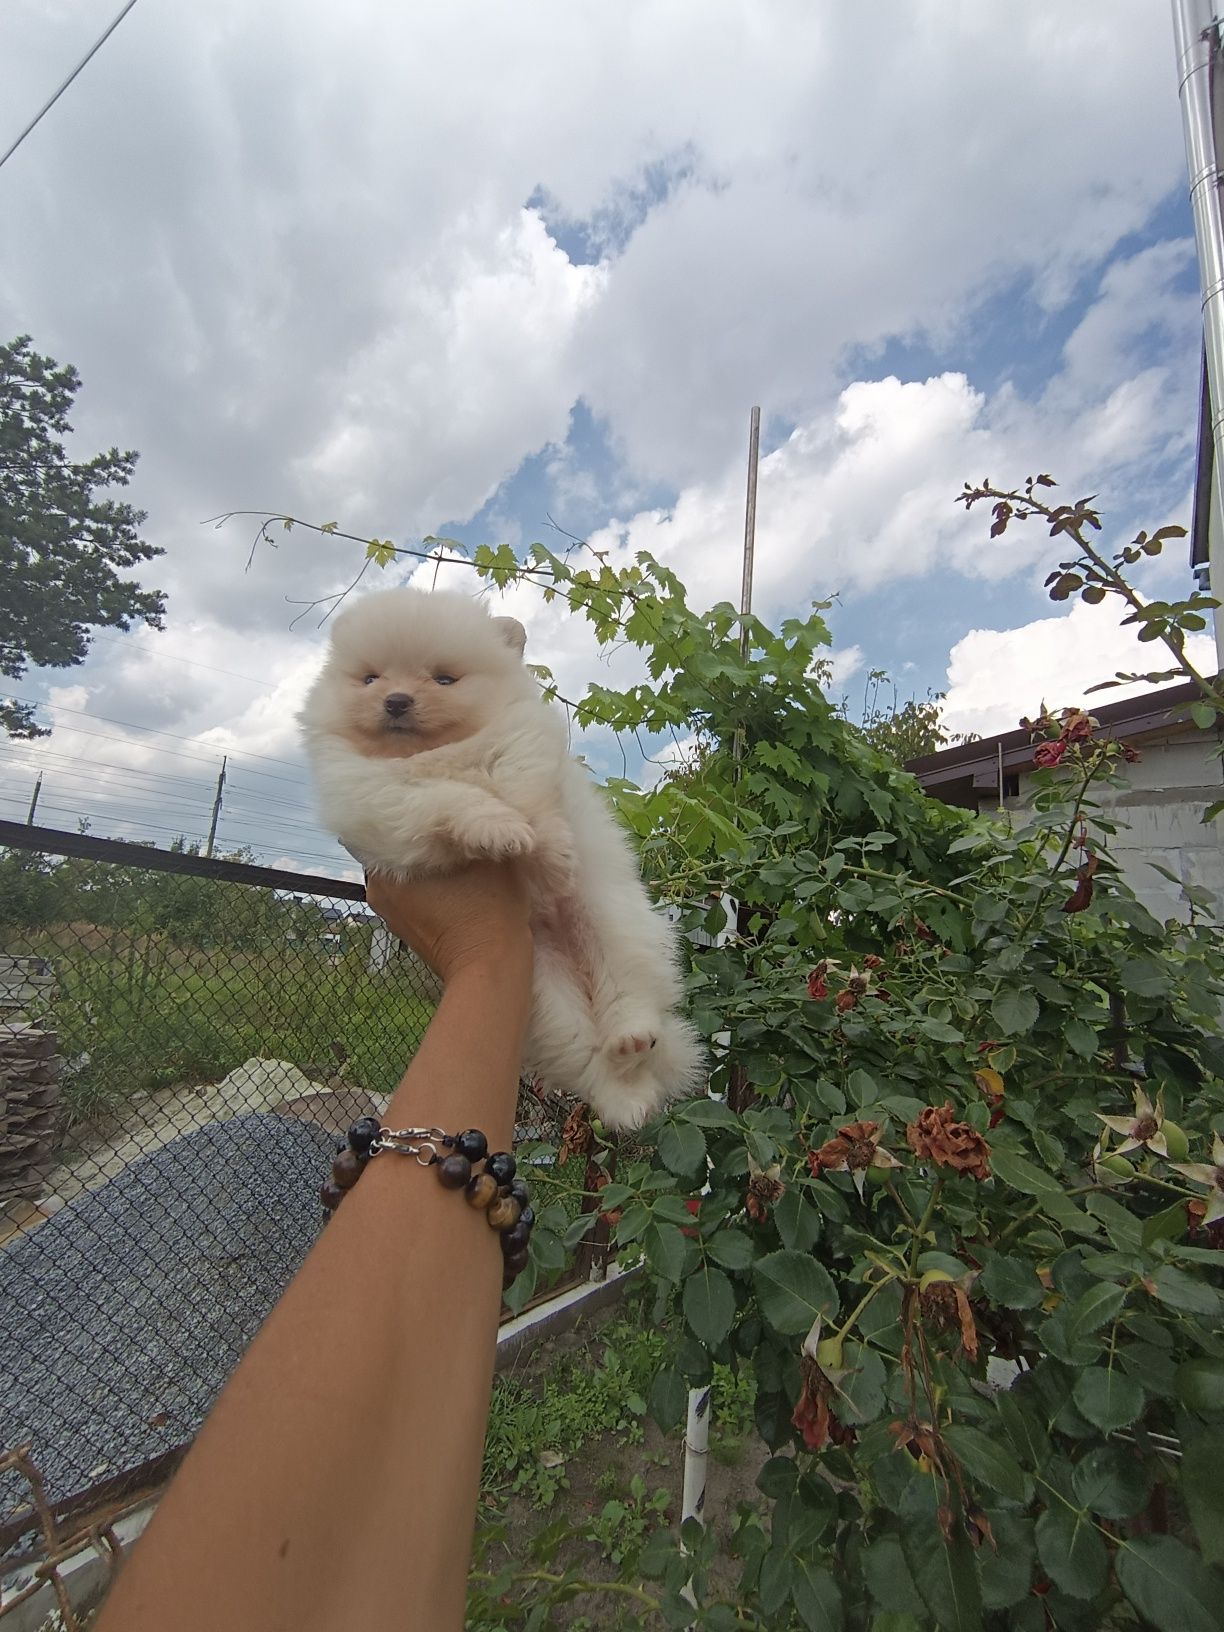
pixel 454 1172
pixel 519 1191
pixel 527 1216
pixel 473 1145
pixel 331 1195
pixel 502 1166
pixel 363 1133
pixel 340 1144
pixel 515 1265
pixel 515 1240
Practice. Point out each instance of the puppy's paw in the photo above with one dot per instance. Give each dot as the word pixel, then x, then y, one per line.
pixel 497 838
pixel 630 1048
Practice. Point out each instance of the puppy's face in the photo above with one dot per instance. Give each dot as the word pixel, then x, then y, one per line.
pixel 410 671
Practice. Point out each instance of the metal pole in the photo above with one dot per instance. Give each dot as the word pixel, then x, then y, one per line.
pixel 216 810
pixel 34 800
pixel 1196 44
pixel 754 453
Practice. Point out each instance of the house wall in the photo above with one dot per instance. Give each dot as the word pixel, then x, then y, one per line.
pixel 1160 819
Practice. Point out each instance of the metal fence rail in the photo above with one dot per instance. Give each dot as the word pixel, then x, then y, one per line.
pixel 181 1040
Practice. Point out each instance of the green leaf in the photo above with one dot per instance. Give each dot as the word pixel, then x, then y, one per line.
pixel 774 1581
pixel 1185 1292
pixel 1006 1575
pixel 1071 1552
pixel 889 1580
pixel 816 1597
pixel 1109 1399
pixel 1021 1174
pixel 860 1396
pixel 707 1113
pixel 1200 1386
pixel 1201 1461
pixel 778 1477
pixel 666 1250
pixel 1095 1309
pixel 988 1461
pixel 1144 977
pixel 1168 1586
pixel 1081 1037
pixel 945 1575
pixel 1012 1283
pixel 1014 1012
pixel 683 1148
pixel 1203 715
pixel 668 1398
pixel 1024 1428
pixel 732 1249
pixel 1112 1480
pixel 1169 1225
pixel 793 1289
pixel 709 1304
pixel 798 1222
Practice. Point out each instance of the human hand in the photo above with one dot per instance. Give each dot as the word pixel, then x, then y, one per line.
pixel 453 921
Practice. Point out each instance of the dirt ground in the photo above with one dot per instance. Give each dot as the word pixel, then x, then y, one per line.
pixel 602 1469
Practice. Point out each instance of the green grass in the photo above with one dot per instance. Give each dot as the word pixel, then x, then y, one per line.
pixel 149 1014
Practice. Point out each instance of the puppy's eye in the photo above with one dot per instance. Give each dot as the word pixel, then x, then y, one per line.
pixel 445 679
pixel 369 679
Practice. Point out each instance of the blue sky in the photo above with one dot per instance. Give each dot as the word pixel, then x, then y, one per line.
pixel 454 270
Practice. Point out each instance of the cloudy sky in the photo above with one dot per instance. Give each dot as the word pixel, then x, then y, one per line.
pixel 458 268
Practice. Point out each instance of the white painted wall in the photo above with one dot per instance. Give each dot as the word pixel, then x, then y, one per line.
pixel 1160 819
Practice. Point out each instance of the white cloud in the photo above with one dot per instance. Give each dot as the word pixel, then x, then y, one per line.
pixel 844 664
pixel 997 675
pixel 862 494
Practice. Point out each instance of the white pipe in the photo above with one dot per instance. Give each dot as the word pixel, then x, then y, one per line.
pixel 696 1454
pixel 1196 43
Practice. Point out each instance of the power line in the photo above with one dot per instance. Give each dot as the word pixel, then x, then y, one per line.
pixel 192 662
pixel 176 736
pixel 47 106
pixel 174 832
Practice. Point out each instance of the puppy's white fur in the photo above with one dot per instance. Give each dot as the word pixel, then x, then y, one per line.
pixel 475 764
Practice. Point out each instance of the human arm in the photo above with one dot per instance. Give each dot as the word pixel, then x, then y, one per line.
pixel 335 1482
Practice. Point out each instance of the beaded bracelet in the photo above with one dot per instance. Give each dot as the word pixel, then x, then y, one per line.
pixel 495 1191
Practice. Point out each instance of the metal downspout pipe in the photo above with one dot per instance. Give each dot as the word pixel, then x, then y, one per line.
pixel 1196 44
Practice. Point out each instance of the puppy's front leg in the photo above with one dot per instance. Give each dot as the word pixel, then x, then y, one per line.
pixel 428 828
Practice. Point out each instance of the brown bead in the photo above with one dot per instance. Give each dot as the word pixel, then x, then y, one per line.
pixel 504 1213
pixel 481 1190
pixel 346 1169
pixel 454 1172
pixel 331 1196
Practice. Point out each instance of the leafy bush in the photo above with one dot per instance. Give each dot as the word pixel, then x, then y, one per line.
pixel 957 1205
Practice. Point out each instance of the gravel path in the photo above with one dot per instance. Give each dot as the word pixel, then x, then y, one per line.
pixel 122 1316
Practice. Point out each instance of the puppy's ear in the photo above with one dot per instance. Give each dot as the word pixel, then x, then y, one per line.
pixel 512 632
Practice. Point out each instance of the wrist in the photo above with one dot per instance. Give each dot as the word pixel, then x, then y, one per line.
pixel 505 955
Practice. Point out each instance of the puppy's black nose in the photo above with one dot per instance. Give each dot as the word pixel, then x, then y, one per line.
pixel 398 703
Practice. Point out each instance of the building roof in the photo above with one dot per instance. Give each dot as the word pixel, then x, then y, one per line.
pixel 977 766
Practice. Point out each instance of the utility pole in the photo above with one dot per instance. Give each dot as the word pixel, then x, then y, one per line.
pixel 216 810
pixel 754 455
pixel 34 800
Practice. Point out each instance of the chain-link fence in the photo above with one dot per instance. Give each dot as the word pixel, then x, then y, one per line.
pixel 181 1040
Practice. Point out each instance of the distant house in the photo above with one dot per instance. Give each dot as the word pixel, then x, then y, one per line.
pixel 1160 812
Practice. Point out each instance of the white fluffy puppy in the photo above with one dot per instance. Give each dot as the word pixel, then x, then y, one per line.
pixel 431 744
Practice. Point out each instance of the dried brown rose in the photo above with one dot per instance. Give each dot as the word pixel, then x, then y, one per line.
pixel 946 1307
pixel 577 1136
pixel 856 1148
pixel 812 1416
pixel 937 1137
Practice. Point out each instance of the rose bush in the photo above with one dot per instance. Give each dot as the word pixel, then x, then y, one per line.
pixel 933 1205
